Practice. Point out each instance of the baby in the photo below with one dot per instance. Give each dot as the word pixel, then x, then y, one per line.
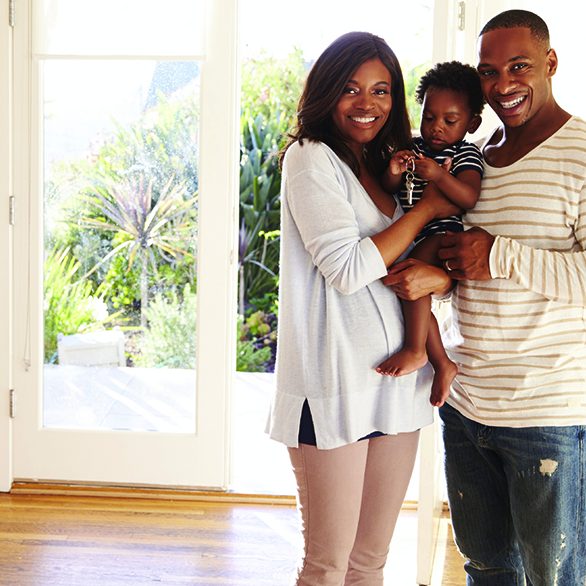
pixel 452 101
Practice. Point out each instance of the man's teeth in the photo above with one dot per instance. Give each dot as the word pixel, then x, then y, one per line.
pixel 363 120
pixel 512 103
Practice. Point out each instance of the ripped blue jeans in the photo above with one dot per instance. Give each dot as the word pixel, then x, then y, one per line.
pixel 518 501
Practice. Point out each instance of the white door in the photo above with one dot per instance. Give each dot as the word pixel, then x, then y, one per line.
pixel 126 170
pixel 5 250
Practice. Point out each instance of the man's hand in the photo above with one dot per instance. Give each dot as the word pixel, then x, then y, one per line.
pixel 411 279
pixel 465 255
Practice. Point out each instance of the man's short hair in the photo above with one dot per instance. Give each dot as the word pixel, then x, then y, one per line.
pixel 517 19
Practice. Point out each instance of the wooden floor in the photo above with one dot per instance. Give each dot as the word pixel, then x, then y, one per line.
pixel 65 540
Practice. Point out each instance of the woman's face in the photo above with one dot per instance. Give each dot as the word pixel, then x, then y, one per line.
pixel 365 105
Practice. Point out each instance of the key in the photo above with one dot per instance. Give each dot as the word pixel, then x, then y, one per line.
pixel 409 176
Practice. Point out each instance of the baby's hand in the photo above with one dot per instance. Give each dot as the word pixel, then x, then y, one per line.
pixel 427 169
pixel 398 162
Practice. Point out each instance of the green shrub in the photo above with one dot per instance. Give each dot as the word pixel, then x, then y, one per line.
pixel 258 331
pixel 71 304
pixel 160 145
pixel 169 340
pixel 249 357
pixel 412 77
pixel 147 231
pixel 270 84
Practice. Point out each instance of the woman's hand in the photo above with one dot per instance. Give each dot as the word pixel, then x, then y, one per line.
pixel 411 279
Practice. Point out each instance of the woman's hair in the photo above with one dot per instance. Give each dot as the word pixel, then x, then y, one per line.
pixel 325 85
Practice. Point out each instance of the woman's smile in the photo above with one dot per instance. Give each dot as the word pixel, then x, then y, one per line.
pixel 365 104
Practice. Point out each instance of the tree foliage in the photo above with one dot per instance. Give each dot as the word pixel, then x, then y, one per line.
pixel 149 232
pixel 131 213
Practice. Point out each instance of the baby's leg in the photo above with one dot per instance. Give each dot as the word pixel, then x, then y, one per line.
pixel 413 355
pixel 416 315
pixel 444 369
pixel 422 336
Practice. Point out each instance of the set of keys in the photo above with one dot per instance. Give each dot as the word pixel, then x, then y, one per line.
pixel 409 177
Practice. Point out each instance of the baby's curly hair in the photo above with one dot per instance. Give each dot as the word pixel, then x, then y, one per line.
pixel 456 76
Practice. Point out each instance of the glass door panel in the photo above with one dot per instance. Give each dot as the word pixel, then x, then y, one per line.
pixel 126 175
pixel 120 207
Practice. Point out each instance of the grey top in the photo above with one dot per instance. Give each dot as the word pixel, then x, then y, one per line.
pixel 337 321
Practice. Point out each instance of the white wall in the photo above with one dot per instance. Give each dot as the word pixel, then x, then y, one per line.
pixel 566 20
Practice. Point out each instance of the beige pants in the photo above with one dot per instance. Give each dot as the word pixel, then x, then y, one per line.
pixel 349 499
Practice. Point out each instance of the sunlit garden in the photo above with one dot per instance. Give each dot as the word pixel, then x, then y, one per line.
pixel 121 225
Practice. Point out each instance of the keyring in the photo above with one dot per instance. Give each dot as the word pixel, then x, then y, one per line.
pixel 410 168
pixel 409 177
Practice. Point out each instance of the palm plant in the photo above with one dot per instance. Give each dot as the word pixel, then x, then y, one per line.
pixel 147 229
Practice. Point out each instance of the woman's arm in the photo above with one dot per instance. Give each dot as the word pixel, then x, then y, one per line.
pixel 393 241
pixel 327 224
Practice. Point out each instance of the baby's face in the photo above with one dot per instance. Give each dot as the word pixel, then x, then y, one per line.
pixel 445 118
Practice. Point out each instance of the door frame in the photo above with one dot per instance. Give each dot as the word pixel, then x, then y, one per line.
pixel 217 267
pixel 5 249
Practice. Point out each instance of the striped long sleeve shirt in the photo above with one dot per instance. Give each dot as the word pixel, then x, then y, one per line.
pixel 520 339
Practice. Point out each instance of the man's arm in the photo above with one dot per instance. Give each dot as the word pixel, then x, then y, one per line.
pixel 478 255
pixel 560 276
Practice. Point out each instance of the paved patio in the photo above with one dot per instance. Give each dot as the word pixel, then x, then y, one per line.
pixel 163 400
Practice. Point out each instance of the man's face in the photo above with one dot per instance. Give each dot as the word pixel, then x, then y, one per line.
pixel 515 71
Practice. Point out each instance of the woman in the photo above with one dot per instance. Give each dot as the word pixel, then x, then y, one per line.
pixel 352 433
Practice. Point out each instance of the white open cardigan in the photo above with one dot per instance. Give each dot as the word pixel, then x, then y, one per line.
pixel 337 321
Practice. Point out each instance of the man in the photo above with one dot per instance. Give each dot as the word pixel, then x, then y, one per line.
pixel 515 422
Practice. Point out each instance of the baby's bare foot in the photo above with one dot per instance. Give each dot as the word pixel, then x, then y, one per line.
pixel 403 362
pixel 442 381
